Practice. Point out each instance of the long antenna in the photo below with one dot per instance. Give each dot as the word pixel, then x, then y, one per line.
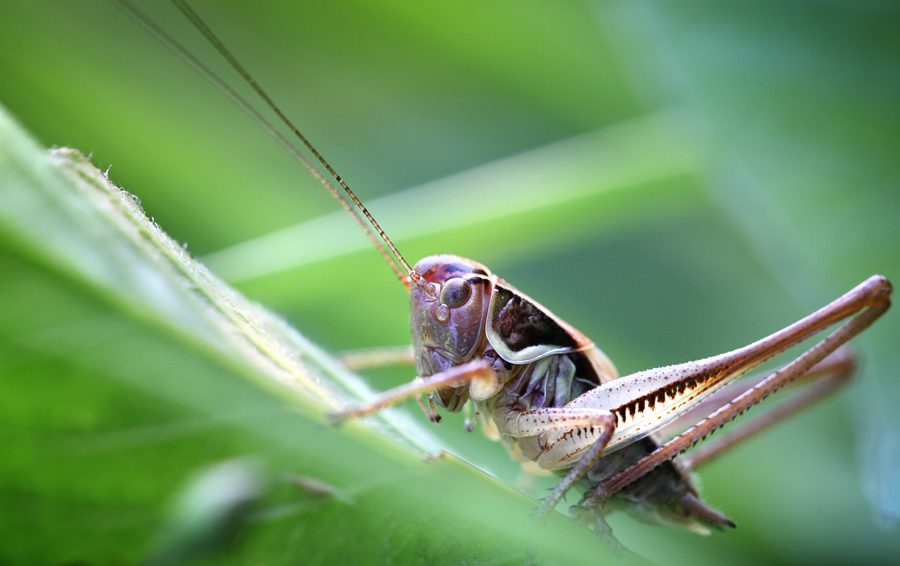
pixel 173 45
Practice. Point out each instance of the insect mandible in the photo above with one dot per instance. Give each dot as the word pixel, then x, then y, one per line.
pixel 557 400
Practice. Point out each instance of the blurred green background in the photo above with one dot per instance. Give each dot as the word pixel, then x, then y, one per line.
pixel 675 179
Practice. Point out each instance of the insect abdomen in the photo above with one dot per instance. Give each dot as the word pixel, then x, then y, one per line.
pixel 666 496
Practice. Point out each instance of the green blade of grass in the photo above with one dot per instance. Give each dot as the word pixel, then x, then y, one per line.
pixel 127 366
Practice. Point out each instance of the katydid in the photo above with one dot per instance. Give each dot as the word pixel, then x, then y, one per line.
pixel 554 398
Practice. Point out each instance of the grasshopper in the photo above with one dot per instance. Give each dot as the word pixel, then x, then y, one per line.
pixel 550 394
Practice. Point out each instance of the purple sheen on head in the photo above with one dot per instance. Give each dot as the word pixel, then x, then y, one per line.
pixel 439 268
pixel 455 332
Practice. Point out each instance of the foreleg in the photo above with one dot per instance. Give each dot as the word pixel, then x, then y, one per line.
pixel 367 358
pixel 471 374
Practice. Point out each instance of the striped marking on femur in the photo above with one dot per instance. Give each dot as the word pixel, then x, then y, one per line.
pixel 671 392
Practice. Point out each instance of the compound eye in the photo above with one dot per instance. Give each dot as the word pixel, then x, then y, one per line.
pixel 456 292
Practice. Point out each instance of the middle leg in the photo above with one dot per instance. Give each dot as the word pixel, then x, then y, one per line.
pixel 586 431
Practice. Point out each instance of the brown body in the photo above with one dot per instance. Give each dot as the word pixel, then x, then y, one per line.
pixel 540 362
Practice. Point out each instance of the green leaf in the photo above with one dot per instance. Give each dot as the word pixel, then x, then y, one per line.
pixel 128 368
pixel 787 131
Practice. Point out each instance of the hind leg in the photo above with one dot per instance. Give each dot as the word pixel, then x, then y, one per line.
pixel 830 374
pixel 867 302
